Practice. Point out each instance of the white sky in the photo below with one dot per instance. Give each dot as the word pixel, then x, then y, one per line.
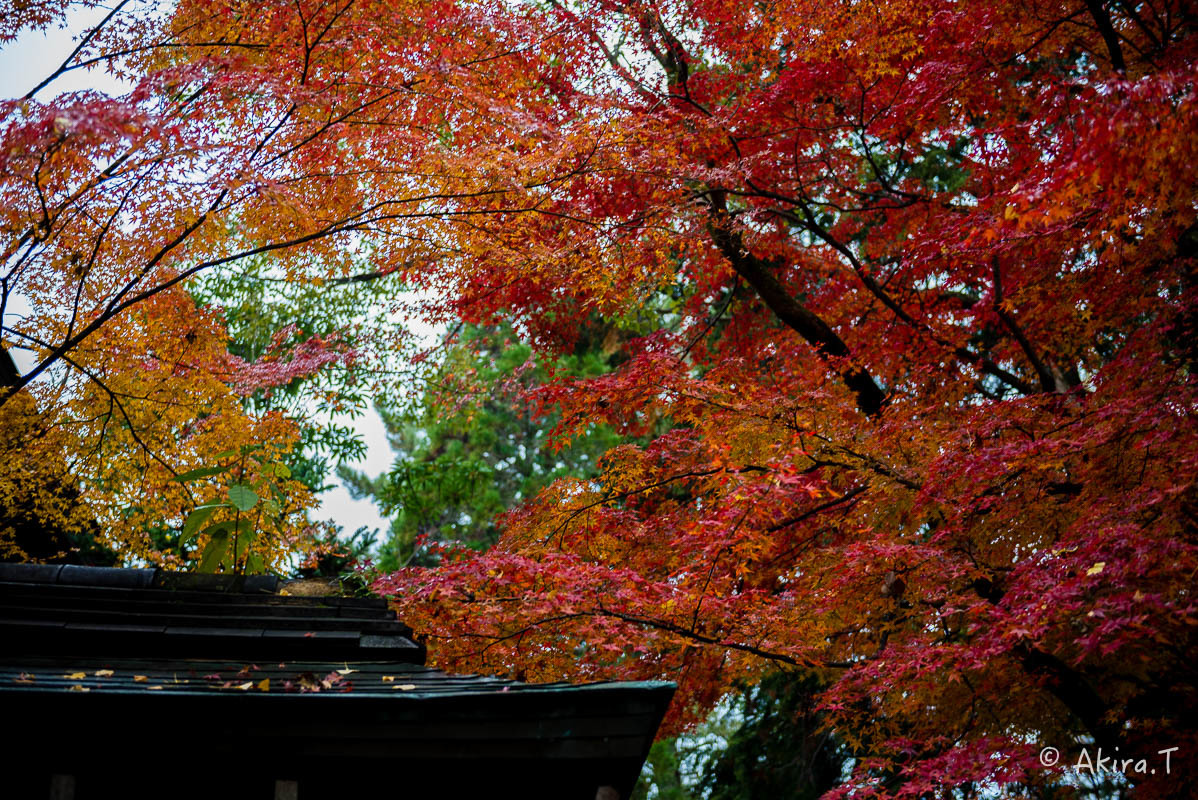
pixel 24 63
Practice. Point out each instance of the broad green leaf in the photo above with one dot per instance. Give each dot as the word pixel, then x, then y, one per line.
pixel 201 472
pixel 243 540
pixel 254 564
pixel 198 516
pixel 277 469
pixel 242 496
pixel 222 528
pixel 214 552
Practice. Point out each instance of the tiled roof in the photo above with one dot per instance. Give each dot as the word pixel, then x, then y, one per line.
pixel 58 609
pixel 98 666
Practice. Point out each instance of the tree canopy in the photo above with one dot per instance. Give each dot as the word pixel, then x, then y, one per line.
pixel 904 296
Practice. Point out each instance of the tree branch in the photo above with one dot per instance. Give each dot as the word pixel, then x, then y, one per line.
pixel 759 274
pixel 1102 18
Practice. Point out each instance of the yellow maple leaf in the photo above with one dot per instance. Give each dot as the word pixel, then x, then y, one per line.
pixel 1097 568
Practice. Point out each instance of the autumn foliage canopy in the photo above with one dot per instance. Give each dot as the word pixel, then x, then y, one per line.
pixel 902 296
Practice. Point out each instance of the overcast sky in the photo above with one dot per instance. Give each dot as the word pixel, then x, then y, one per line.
pixel 24 63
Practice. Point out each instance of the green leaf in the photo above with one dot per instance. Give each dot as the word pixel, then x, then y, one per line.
pixel 214 552
pixel 245 537
pixel 201 472
pixel 243 496
pixel 254 564
pixel 277 469
pixel 198 516
pixel 222 528
pixel 215 530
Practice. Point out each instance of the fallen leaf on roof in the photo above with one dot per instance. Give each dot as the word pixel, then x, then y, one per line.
pixel 388 679
pixel 264 685
pixel 153 688
pixel 346 671
pixel 244 686
pixel 406 687
pixel 23 678
pixel 78 688
pixel 75 676
pixel 103 673
pixel 140 679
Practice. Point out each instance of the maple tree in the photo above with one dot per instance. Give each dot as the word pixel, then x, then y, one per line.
pixel 928 381
pixel 907 301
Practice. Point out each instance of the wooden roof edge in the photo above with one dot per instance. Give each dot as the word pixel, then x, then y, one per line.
pixel 132 578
